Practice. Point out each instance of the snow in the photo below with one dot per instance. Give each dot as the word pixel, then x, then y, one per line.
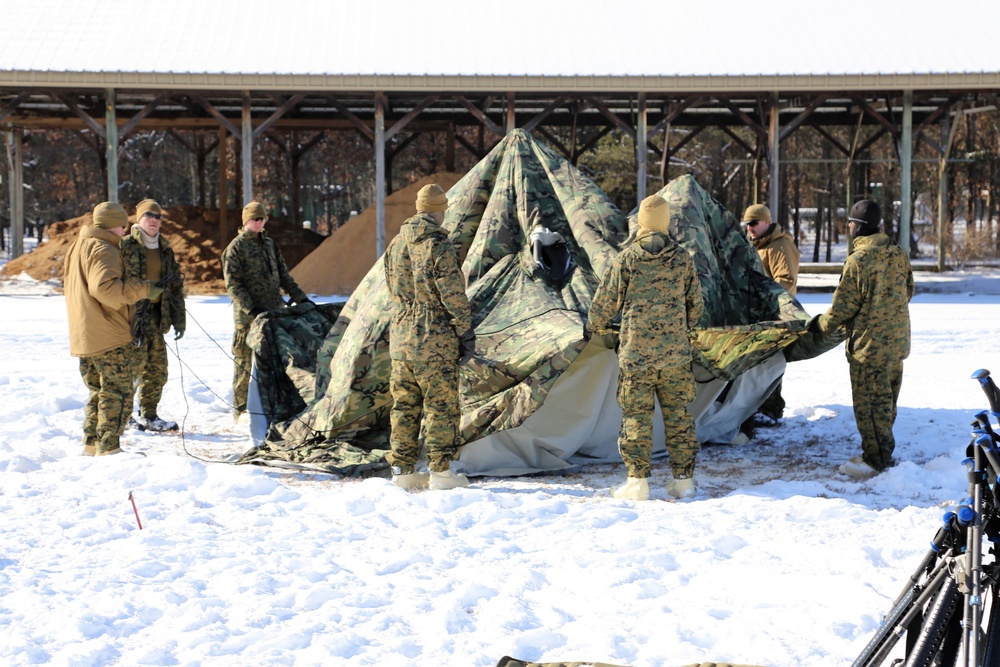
pixel 778 560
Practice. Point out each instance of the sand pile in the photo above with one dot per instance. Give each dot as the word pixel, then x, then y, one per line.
pixel 193 233
pixel 340 263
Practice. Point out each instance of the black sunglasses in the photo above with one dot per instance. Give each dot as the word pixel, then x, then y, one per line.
pixel 154 216
pixel 753 223
pixel 258 219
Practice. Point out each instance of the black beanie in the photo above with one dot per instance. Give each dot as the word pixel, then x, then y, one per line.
pixel 868 215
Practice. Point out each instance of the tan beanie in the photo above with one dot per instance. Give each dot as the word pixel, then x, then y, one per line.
pixel 254 210
pixel 431 198
pixel 654 214
pixel 757 212
pixel 108 215
pixel 146 206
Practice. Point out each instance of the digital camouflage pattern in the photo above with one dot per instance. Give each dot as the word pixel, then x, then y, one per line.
pixel 110 377
pixel 255 273
pixel 153 318
pixel 528 325
pixel 872 301
pixel 424 394
pixel 172 310
pixel 871 306
pixel 430 310
pixel 654 290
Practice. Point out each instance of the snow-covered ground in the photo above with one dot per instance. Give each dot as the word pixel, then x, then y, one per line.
pixel 778 560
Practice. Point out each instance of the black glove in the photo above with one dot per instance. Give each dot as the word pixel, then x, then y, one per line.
pixel 306 302
pixel 467 345
pixel 586 332
pixel 178 333
pixel 256 310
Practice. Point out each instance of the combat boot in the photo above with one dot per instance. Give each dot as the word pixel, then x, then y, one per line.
pixel 155 424
pixel 442 481
pixel 89 450
pixel 857 468
pixel 407 478
pixel 635 488
pixel 680 488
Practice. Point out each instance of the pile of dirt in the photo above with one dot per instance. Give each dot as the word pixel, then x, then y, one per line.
pixel 193 233
pixel 341 262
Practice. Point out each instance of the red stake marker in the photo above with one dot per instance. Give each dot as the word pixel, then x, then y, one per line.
pixel 135 510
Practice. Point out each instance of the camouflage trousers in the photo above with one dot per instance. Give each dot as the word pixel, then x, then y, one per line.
pixel 242 365
pixel 875 390
pixel 151 368
pixel 110 377
pixel 674 388
pixel 430 390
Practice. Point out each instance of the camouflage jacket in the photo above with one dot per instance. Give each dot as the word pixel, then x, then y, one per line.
pixel 430 309
pixel 652 284
pixel 780 257
pixel 256 274
pixel 871 301
pixel 171 302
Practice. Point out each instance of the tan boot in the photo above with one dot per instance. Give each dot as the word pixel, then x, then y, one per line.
pixel 411 481
pixel 681 488
pixel 89 450
pixel 635 488
pixel 109 452
pixel 442 481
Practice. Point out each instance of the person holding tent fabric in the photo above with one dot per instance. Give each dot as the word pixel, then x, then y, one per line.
pixel 431 329
pixel 653 286
pixel 148 255
pixel 255 274
pixel 872 303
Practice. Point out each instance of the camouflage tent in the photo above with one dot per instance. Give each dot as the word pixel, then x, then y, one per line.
pixel 534 236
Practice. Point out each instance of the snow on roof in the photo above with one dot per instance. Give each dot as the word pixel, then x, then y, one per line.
pixel 509 38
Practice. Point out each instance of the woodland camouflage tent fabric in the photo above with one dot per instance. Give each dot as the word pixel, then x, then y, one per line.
pixel 528 317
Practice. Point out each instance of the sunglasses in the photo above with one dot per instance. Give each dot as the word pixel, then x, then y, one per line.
pixel 154 216
pixel 754 223
pixel 258 219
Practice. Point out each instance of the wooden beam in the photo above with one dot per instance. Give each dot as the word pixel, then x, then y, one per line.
pixel 746 120
pixel 214 113
pixel 675 112
pixel 14 104
pixel 871 140
pixel 738 139
pixel 128 127
pixel 367 132
pixel 555 142
pixel 832 139
pixel 414 112
pixel 614 118
pixel 882 120
pixel 593 140
pixel 468 146
pixel 71 104
pixel 278 113
pixel 544 113
pixel 794 124
pixel 479 115
pixel 403 144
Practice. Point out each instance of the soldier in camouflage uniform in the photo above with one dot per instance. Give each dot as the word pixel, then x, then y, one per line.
pixel 653 286
pixel 148 255
pixel 872 304
pixel 98 296
pixel 780 257
pixel 255 274
pixel 431 328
